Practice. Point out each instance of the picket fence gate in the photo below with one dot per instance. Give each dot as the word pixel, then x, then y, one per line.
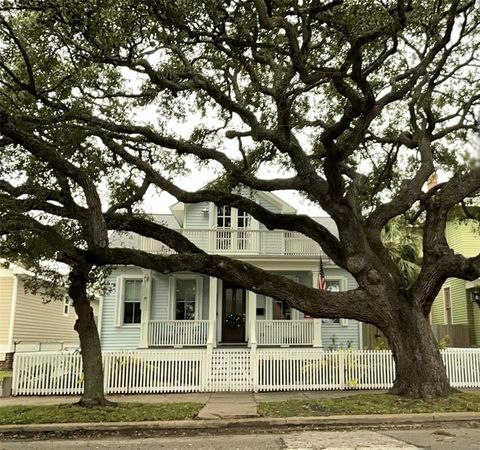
pixel 220 370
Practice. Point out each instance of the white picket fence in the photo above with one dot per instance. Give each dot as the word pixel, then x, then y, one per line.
pixel 216 370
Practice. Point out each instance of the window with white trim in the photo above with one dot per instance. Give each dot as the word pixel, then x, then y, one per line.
pixel 186 297
pixel 233 229
pixel 132 299
pixel 333 285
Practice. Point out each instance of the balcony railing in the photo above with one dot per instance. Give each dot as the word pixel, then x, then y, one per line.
pixel 285 332
pixel 173 333
pixel 241 241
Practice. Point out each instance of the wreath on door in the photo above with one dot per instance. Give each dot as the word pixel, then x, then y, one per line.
pixel 233 320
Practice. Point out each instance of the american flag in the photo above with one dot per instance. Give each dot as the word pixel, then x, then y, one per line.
pixel 322 282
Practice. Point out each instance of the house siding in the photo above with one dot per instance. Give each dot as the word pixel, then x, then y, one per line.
pixel 118 337
pixel 159 309
pixel 195 216
pixel 336 335
pixel 6 288
pixel 463 238
pixel 37 321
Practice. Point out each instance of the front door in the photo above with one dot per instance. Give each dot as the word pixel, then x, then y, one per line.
pixel 233 313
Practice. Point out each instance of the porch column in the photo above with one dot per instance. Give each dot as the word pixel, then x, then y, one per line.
pixel 252 318
pixel 317 323
pixel 212 311
pixel 145 307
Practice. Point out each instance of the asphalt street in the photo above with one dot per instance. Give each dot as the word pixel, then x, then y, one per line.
pixel 451 438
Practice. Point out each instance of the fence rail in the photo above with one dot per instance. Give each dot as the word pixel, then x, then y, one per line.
pixel 214 370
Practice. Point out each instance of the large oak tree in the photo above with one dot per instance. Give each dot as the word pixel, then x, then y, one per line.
pixel 354 104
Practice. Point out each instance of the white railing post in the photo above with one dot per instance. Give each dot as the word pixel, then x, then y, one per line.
pixel 145 308
pixel 317 332
pixel 251 316
pixel 207 360
pixel 212 306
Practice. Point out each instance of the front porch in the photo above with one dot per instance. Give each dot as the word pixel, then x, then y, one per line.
pixel 201 333
pixel 214 313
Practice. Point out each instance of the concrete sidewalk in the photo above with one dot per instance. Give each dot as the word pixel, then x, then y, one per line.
pixel 216 406
pixel 219 405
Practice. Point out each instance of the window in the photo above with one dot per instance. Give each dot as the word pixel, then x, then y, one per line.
pixel 280 310
pixel 66 306
pixel 132 299
pixel 185 294
pixel 335 286
pixel 185 299
pixel 448 305
pixel 224 217
pixel 233 227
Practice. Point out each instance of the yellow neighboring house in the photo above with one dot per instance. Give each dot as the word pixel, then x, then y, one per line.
pixel 457 305
pixel 27 322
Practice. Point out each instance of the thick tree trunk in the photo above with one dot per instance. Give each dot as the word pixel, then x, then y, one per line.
pixel 93 393
pixel 419 365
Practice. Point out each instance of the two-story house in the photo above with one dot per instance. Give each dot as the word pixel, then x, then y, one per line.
pixel 150 310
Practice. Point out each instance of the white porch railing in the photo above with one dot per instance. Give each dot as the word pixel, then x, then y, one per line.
pixel 214 370
pixel 241 241
pixel 284 332
pixel 171 333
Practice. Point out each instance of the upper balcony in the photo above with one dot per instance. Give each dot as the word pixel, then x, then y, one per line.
pixel 241 242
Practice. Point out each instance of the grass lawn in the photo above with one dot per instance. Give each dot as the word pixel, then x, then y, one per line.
pixel 370 404
pixel 5 373
pixel 123 412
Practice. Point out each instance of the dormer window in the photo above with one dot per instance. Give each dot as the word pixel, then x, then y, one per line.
pixel 233 227
pixel 228 217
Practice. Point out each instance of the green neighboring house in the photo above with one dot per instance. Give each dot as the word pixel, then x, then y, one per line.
pixel 456 310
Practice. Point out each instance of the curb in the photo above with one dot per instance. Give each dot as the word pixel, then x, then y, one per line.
pixel 319 422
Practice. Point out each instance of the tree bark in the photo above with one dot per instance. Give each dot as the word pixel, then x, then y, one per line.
pixel 93 393
pixel 420 371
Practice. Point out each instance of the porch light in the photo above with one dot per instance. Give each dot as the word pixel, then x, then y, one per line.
pixel 205 211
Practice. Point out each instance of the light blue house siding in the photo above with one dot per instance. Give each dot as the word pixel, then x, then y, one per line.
pixel 346 333
pixel 118 337
pixel 161 304
pixel 115 337
pixel 197 216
